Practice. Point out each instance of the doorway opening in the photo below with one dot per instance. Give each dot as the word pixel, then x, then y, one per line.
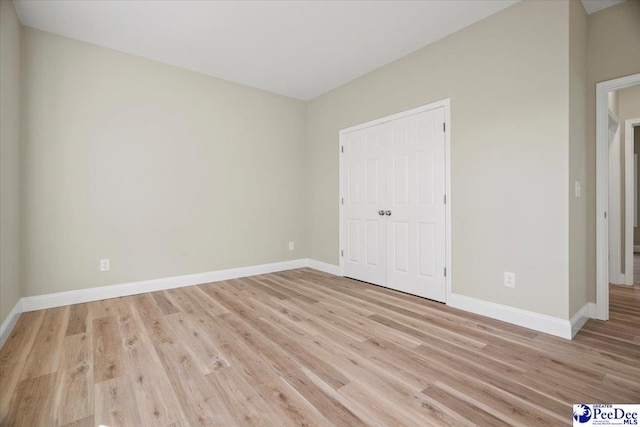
pixel 632 189
pixel 615 201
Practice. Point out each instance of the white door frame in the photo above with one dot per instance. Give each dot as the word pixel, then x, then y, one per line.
pixel 629 197
pixel 446 104
pixel 615 215
pixel 602 189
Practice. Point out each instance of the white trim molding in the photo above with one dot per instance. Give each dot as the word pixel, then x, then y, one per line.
pixel 616 274
pixel 602 188
pixel 535 321
pixel 323 266
pixel 588 311
pixel 58 299
pixel 10 322
pixel 516 316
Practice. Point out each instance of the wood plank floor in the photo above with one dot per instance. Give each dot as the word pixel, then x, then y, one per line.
pixel 303 348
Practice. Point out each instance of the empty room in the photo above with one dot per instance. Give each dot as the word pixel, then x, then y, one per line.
pixel 319 213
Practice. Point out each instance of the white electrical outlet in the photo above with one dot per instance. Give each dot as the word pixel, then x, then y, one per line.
pixel 291 246
pixel 578 188
pixel 104 265
pixel 509 279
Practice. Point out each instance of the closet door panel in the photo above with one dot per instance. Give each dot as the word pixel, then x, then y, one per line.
pixel 364 154
pixel 416 188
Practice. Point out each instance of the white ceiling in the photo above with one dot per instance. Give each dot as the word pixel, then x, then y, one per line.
pixel 299 48
pixel 592 6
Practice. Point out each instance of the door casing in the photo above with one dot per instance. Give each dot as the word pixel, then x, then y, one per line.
pixel 602 189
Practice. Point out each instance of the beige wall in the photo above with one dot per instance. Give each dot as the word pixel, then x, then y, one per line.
pixel 163 171
pixel 612 51
pixel 577 156
pixel 223 163
pixel 508 80
pixel 10 290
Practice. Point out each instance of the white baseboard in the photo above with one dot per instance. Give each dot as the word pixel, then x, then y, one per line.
pixel 10 322
pixel 59 299
pixel 588 311
pixel 539 322
pixel 621 279
pixel 323 266
pixel 528 319
pixel 593 310
pixel 617 279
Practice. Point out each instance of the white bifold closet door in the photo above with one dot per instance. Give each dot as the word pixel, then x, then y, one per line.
pixel 394 207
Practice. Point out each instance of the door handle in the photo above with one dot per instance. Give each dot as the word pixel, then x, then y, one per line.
pixel 380 213
pixel 387 213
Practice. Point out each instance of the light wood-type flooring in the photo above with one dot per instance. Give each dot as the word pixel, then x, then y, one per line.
pixel 303 348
